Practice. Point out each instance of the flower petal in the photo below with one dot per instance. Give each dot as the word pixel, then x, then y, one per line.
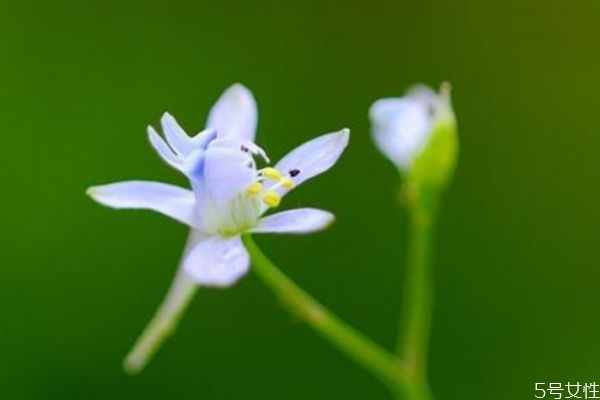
pixel 176 136
pixel 313 157
pixel 227 172
pixel 241 144
pixel 204 138
pixel 217 261
pixel 401 126
pixel 301 220
pixel 234 114
pixel 172 201
pixel 423 94
pixel 163 149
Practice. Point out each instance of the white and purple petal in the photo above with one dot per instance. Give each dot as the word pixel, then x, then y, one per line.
pixel 313 157
pixel 227 172
pixel 234 115
pixel 297 221
pixel 401 127
pixel 178 140
pixel 204 138
pixel 164 151
pixel 217 261
pixel 245 146
pixel 169 200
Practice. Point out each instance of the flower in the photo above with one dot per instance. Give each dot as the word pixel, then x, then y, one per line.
pixel 403 128
pixel 230 193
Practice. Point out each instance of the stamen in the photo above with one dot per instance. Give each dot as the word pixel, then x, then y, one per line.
pixel 255 188
pixel 271 199
pixel 287 183
pixel 271 173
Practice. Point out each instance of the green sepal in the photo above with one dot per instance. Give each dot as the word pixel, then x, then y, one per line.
pixel 433 168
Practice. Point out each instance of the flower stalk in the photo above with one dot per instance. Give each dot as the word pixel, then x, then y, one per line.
pixel 417 305
pixel 165 320
pixel 354 344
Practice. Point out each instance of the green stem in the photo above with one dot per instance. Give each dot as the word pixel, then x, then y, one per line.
pixel 415 324
pixel 165 320
pixel 358 347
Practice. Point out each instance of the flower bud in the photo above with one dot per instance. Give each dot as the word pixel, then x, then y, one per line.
pixel 417 133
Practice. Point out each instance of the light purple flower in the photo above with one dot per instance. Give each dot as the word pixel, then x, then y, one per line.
pixel 229 192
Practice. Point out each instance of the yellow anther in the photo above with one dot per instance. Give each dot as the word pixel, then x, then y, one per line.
pixel 287 183
pixel 272 199
pixel 255 188
pixel 271 173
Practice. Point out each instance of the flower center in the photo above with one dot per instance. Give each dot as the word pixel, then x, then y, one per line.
pixel 234 193
pixel 268 180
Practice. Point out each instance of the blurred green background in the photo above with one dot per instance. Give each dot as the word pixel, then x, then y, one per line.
pixel 517 275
